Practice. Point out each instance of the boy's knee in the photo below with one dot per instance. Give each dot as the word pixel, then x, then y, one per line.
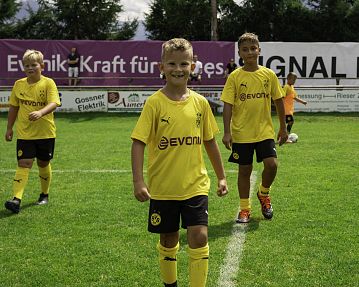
pixel 245 170
pixel 270 164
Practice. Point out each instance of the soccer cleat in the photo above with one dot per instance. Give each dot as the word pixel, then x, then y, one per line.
pixel 243 216
pixel 266 205
pixel 13 205
pixel 43 199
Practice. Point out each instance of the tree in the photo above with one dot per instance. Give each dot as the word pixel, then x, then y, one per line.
pixel 330 24
pixel 190 19
pixel 8 10
pixel 77 19
pixel 353 22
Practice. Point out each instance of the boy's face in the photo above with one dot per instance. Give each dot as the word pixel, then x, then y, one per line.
pixel 32 68
pixel 177 66
pixel 291 80
pixel 249 51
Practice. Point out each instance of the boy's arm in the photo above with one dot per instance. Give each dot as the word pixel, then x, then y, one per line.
pixel 33 116
pixel 11 118
pixel 300 101
pixel 216 160
pixel 227 116
pixel 282 134
pixel 137 158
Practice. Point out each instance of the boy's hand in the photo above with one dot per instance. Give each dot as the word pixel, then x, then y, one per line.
pixel 227 140
pixel 141 191
pixel 222 188
pixel 282 136
pixel 34 116
pixel 8 135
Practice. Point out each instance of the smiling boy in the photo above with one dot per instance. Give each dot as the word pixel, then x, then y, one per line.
pixel 174 124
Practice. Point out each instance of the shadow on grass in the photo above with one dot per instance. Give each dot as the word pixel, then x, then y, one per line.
pixel 84 117
pixel 7 213
pixel 226 229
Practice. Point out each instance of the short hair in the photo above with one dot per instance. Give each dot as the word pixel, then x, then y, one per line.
pixel 248 37
pixel 176 44
pixel 291 74
pixel 33 55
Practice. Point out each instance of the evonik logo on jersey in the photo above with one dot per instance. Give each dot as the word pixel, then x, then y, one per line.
pixel 243 97
pixel 32 103
pixel 179 141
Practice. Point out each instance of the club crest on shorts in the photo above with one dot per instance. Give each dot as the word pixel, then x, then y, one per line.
pixel 235 155
pixel 19 152
pixel 155 219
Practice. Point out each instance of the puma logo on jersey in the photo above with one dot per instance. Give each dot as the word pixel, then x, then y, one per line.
pixel 244 85
pixel 18 180
pixel 166 121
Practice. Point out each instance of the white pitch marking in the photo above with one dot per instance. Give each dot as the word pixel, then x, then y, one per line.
pixel 230 266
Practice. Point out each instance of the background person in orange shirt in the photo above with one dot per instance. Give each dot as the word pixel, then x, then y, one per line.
pixel 289 98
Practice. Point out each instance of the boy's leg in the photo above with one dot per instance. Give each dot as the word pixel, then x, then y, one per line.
pixel 243 184
pixel 44 152
pixel 198 252
pixel 168 247
pixel 19 184
pixel 266 152
pixel 268 176
pixel 289 119
pixel 45 175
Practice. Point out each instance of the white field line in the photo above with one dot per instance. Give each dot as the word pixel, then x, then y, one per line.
pixel 93 170
pixel 230 266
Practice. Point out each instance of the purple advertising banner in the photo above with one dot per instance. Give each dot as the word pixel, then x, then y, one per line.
pixel 109 63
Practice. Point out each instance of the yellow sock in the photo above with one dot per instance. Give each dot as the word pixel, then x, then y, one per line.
pixel 264 190
pixel 244 204
pixel 168 263
pixel 198 266
pixel 20 181
pixel 45 174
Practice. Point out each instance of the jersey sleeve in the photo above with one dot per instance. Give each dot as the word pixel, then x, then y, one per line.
pixel 210 127
pixel 53 93
pixel 13 100
pixel 145 124
pixel 277 90
pixel 229 90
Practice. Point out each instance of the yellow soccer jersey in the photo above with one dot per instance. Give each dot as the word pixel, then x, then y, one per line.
pixel 250 95
pixel 34 97
pixel 289 95
pixel 174 132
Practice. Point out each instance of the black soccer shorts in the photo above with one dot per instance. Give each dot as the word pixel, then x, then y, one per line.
pixel 242 153
pixel 165 215
pixel 42 149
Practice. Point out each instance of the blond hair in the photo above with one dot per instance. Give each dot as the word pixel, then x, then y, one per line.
pixel 176 44
pixel 33 55
pixel 248 37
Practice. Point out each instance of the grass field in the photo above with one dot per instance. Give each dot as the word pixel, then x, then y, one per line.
pixel 94 232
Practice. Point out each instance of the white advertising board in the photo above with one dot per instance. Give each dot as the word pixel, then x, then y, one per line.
pixel 127 101
pixel 83 101
pixel 4 100
pixel 334 100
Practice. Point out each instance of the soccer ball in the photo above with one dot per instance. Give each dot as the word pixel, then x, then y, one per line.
pixel 293 137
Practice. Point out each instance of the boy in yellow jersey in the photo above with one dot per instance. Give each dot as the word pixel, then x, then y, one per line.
pixel 248 124
pixel 32 102
pixel 174 124
pixel 290 95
